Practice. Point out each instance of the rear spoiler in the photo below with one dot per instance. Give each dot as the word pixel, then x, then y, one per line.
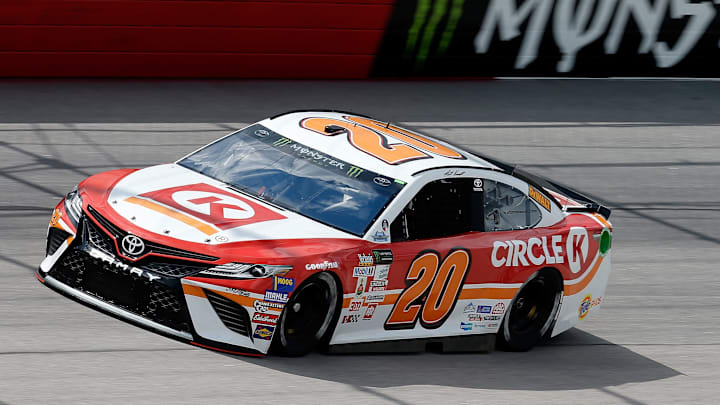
pixel 575 201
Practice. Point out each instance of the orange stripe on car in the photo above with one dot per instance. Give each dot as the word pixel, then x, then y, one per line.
pixel 200 226
pixel 573 289
pixel 192 290
pixel 603 221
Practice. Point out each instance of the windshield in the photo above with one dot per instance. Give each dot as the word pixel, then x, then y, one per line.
pixel 276 169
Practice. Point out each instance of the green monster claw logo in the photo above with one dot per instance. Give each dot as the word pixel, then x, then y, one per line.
pixel 354 171
pixel 282 142
pixel 429 25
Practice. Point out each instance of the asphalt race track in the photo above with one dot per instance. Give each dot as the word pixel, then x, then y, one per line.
pixel 649 149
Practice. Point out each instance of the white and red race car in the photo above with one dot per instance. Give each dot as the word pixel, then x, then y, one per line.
pixel 332 230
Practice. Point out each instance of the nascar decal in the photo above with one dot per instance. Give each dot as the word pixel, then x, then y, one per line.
pixel 543 250
pixel 216 208
pixel 371 137
pixel 432 291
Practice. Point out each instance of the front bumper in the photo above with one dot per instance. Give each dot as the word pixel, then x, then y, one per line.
pixel 148 294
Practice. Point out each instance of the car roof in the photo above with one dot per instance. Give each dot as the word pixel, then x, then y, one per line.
pixel 289 125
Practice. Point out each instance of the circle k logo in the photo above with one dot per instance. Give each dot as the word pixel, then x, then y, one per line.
pixel 214 204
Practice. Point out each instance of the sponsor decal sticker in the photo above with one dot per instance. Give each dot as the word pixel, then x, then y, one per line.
pixel 375 298
pixel 465 326
pixel 364 271
pixel 378 285
pixel 265 319
pixel 238 291
pixel 262 306
pixel 264 332
pixel 469 308
pixel 55 217
pixel 477 185
pixel 350 318
pixel 382 256
pixel 484 309
pixel 355 305
pixel 370 311
pixel 365 259
pixel 276 296
pixel 360 286
pixel 322 266
pixel 380 236
pixel 587 303
pixel 381 271
pixel 283 284
pixel 474 317
pixel 498 309
pixel 541 199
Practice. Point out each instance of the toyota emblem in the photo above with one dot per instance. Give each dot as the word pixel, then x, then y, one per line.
pixel 132 245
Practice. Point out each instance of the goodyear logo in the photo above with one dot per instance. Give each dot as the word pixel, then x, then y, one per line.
pixel 263 332
pixel 541 199
pixel 284 284
pixel 354 171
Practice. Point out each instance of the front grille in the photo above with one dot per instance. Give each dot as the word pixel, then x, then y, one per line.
pixel 151 247
pixel 233 315
pixel 55 238
pixel 173 269
pixel 156 300
pixel 97 237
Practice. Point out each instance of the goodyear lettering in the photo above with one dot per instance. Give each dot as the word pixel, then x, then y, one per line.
pixel 541 199
pixel 322 266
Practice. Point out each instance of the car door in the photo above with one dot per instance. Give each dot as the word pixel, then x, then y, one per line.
pixel 443 241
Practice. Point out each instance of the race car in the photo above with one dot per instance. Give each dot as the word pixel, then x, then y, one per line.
pixel 329 230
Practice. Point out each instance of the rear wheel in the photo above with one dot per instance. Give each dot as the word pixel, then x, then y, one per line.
pixel 309 317
pixel 532 312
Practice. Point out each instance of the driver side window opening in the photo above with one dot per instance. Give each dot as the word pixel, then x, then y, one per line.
pixel 507 208
pixel 448 207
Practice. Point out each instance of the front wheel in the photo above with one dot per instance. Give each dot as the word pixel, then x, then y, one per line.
pixel 532 312
pixel 309 316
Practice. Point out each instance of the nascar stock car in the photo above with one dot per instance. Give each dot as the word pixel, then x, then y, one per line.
pixel 332 231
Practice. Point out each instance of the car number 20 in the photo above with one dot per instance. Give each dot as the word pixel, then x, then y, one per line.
pixel 433 289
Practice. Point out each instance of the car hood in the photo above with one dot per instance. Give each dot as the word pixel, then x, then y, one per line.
pixel 175 202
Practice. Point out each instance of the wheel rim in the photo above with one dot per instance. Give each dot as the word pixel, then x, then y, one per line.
pixel 301 322
pixel 534 308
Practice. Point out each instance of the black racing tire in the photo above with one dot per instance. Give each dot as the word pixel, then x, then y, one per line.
pixel 309 317
pixel 531 314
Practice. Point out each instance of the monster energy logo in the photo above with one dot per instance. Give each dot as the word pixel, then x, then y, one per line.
pixel 282 142
pixel 427 21
pixel 354 171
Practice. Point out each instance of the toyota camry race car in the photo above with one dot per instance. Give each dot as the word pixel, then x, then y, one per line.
pixel 331 230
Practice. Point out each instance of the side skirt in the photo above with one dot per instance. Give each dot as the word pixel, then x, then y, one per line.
pixel 450 344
